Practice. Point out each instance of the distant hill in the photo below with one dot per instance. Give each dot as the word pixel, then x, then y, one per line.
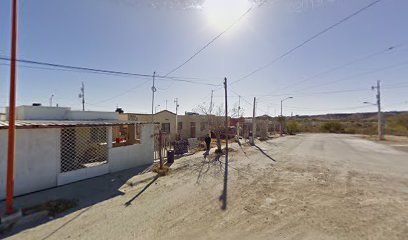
pixel 396 123
pixel 351 116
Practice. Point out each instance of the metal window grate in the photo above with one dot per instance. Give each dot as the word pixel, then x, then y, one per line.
pixel 83 147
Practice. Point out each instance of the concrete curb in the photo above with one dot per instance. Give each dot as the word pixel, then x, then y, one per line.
pixel 16 219
pixel 5 219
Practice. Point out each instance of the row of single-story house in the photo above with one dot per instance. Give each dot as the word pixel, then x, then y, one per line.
pixel 188 125
pixel 56 146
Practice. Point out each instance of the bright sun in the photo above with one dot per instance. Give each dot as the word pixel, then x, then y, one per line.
pixel 222 13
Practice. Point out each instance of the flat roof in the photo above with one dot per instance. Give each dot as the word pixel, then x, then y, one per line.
pixel 27 124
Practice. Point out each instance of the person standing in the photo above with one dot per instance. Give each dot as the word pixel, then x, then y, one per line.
pixel 207 140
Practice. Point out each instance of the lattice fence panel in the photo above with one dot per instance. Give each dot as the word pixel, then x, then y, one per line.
pixel 83 147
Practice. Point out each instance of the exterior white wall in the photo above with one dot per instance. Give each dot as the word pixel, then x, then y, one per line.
pixel 36 160
pixel 136 155
pixel 87 115
pixel 39 113
pixel 60 113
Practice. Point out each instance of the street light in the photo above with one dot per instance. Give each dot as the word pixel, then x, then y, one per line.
pixel 369 103
pixel 380 117
pixel 52 96
pixel 281 124
pixel 155 109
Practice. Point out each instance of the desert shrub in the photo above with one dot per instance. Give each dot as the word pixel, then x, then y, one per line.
pixel 397 125
pixel 332 127
pixel 293 127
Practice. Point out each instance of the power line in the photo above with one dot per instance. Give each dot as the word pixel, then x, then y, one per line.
pixel 62 67
pixel 121 94
pixel 356 75
pixel 214 39
pixel 333 92
pixel 247 101
pixel 369 56
pixel 318 93
pixel 308 40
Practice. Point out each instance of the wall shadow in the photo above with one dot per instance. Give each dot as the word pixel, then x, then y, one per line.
pixel 85 193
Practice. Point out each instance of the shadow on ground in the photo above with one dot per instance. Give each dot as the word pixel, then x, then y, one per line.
pixel 264 153
pixel 128 203
pixel 87 193
pixel 223 197
pixel 210 164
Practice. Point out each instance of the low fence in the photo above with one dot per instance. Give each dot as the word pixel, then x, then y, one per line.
pixel 162 145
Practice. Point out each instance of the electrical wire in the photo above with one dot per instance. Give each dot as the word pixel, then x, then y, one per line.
pixel 122 94
pixel 58 67
pixel 214 39
pixel 356 75
pixel 308 40
pixel 344 65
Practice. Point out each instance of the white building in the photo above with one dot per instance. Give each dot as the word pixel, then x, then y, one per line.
pixel 56 146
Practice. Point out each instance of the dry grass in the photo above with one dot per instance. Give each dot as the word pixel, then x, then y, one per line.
pixel 162 172
pixel 53 207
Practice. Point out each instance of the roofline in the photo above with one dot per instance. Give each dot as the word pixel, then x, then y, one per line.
pixel 67 124
pixel 149 114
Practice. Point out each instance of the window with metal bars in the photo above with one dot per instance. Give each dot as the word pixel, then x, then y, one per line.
pixel 83 147
pixel 125 135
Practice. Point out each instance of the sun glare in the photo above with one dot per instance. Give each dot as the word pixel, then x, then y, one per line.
pixel 222 13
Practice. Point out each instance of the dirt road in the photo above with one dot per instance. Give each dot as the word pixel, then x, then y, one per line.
pixel 313 186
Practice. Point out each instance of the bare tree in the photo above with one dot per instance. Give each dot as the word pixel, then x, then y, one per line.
pixel 216 122
pixel 263 129
pixel 237 111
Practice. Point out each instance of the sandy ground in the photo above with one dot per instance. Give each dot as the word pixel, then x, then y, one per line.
pixel 398 142
pixel 314 186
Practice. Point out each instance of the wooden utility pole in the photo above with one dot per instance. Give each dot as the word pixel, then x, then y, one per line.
pixel 253 123
pixel 211 102
pixel 226 116
pixel 82 95
pixel 160 149
pixel 177 106
pixel 153 91
pixel 239 117
pixel 12 114
pixel 380 117
pixel 224 192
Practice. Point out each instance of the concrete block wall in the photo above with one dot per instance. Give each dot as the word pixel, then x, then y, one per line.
pixel 121 158
pixel 36 160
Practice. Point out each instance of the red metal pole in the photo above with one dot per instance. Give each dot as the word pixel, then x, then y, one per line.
pixel 12 114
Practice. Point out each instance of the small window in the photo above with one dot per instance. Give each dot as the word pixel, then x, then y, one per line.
pixel 180 126
pixel 126 135
pixel 165 127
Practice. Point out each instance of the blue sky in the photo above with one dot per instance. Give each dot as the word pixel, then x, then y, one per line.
pixel 145 36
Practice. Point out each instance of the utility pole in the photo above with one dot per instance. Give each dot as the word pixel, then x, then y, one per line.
pixel 82 95
pixel 282 118
pixel 226 118
pixel 224 194
pixel 239 105
pixel 52 95
pixel 12 114
pixel 253 124
pixel 380 118
pixel 177 106
pixel 166 104
pixel 211 103
pixel 153 91
pixel 239 108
